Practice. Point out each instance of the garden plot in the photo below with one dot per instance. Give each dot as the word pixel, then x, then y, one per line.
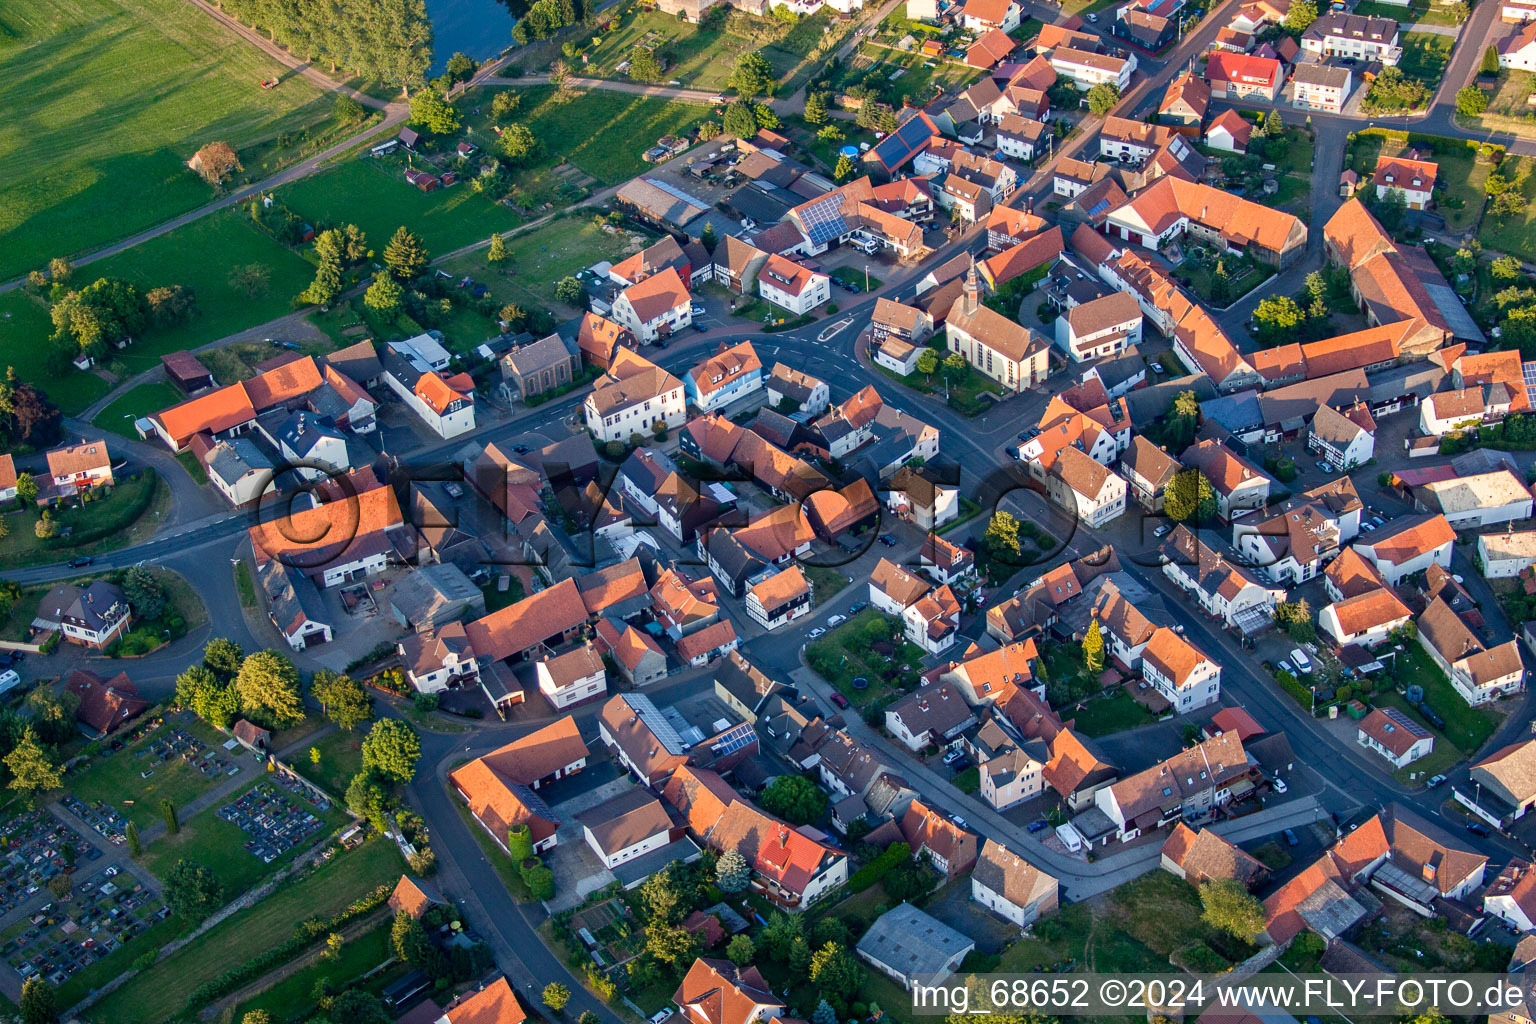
pixel 276 822
pixel 64 937
pixel 609 931
pixel 34 845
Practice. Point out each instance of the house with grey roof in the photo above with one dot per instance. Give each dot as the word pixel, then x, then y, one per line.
pixel 910 947
pixel 542 366
pixel 434 595
pixel 294 605
pixel 239 469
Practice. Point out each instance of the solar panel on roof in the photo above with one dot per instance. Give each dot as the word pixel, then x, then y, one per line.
pixel 737 738
pixel 1529 371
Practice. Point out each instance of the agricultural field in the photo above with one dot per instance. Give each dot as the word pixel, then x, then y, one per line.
pixel 107 99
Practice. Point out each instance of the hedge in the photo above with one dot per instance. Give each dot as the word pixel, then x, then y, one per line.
pixel 305 934
pixel 125 517
pixel 869 874
pixel 1291 685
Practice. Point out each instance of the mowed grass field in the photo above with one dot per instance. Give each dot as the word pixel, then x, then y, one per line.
pixel 162 990
pixel 104 102
pixel 24 331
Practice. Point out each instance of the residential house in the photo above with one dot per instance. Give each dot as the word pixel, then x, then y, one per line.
pixel 1396 737
pixel 734 372
pixel 446 405
pixel 1086 488
pixel 1517 51
pixel 1021 138
pixel 719 992
pixel 1204 856
pixel 1366 39
pixel 439 659
pixel 1149 470
pixel 294 605
pixel 1239 75
pixel 1367 619
pixel 1172 206
pixel 1404 857
pixel 1100 327
pixel 1186 101
pixel 655 307
pixel 1188 786
pixel 339 541
pixel 1239 485
pixel 1408 545
pixel 572 677
pixel 1319 86
pixel 1506 554
pixel 788 386
pixel 780 599
pixel 922 498
pixel 1011 887
pixel 491 1003
pixel 631 397
pixel 1085 69
pixel 1179 671
pixel 77 468
pixel 1225 589
pixel 1479 673
pixel 929 716
pixel 793 286
pixel 104 705
pixel 639 659
pixel 1511 896
pixel 932 836
pixel 1413 177
pixel 1229 131
pixel 981 16
pixel 627 827
pixel 946 563
pixel 646 742
pixel 1011 769
pixel 1344 439
pixel 500 787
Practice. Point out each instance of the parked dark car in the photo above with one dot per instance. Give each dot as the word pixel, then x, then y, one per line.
pixel 80 561
pixel 857 607
pixel 887 540
pixel 839 700
pixel 1290 838
pixel 1039 825
pixel 1478 830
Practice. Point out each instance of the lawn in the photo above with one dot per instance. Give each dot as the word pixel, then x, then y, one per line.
pixel 825 581
pixel 899 76
pixel 1425 56
pixel 604 133
pixel 116 780
pixel 862 648
pixel 1462 176
pixel 106 100
pixel 1466 727
pixel 1115 712
pixel 130 514
pixel 1420 12
pixel 162 991
pixel 291 997
pixel 374 196
pixel 245 585
pixel 24 331
pixel 963 392
pixel 200 256
pixel 341 757
pixel 702 57
pixel 208 839
pixel 120 413
pixel 859 277
pixel 1514 234
pixel 538 258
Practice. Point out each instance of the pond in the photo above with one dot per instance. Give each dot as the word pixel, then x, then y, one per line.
pixel 477 28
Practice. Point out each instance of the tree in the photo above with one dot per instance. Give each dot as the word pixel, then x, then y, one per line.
pixel 732 873
pixel 326 286
pixel 367 799
pixel 33 769
pixel 740 121
pixel 518 145
pixel 1231 908
pixel 752 77
pixel 927 362
pixel 392 749
pixel 268 685
pixel 512 315
pixel 46 527
pixel 670 943
pixel 459 68
pixel 135 844
pixel 356 1006
pixel 824 1013
pixel 38 1004
pixel 384 296
pixel 222 657
pixel 1459 11
pixel 707 238
pixel 61 885
pixel 347 110
pixel 1102 98
pixel 740 950
pixel 504 105
pixel 643 65
pixel 146 597
pixel 796 799
pixel 835 971
pixel 250 278
pixel 26 488
pixel 408 938
pixel 1189 497
pixel 172 819
pixel 1506 268
pixel 568 290
pixel 1221 284
pixel 540 882
pixel 844 169
pixel 559 74
pixel 215 162
pixel 405 256
pixel 1301 15
pixel 60 270
pixel 1003 533
pixel 1277 318
pixel 556 996
pixel 815 109
pixel 1093 648
pixel 1471 101
pixel 1490 65
pixel 192 890
pixel 954 365
pixel 342 699
pixel 169 305
pixel 498 250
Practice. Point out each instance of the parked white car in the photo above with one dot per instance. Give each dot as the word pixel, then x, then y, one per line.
pixel 1304 663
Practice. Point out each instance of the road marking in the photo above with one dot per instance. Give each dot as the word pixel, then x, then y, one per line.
pixel 831 331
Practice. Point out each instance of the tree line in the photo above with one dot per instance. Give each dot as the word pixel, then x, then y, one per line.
pixel 387 41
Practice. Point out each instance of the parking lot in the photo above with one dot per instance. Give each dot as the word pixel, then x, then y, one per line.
pixel 276 821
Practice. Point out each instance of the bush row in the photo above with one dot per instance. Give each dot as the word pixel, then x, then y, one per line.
pixel 869 874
